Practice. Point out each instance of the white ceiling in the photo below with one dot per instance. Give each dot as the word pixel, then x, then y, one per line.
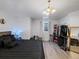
pixel 34 8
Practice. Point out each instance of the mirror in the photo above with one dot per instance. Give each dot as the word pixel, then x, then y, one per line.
pixel 74 39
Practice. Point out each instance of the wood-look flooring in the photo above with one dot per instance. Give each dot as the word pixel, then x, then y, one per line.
pixel 52 51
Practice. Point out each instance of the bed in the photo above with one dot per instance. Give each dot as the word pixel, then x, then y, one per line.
pixel 27 49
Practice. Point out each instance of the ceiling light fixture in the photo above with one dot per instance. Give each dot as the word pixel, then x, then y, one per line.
pixel 49 10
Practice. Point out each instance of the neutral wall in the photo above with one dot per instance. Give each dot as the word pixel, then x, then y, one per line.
pixel 23 27
pixel 20 26
pixel 37 26
pixel 52 23
pixel 72 19
pixel 6 26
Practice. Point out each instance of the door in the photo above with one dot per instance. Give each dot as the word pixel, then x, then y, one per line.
pixel 45 30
